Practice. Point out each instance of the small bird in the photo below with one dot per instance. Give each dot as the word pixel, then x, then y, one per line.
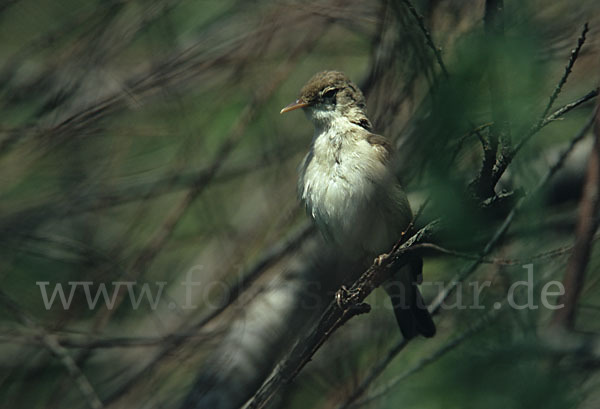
pixel 350 191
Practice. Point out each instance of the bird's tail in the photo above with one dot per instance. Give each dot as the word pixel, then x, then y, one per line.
pixel 410 310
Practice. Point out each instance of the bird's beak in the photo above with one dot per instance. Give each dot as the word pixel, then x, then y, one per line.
pixel 294 105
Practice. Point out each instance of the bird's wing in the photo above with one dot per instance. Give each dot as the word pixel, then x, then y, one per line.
pixel 383 146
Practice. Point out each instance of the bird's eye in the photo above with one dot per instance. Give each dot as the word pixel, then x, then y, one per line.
pixel 330 93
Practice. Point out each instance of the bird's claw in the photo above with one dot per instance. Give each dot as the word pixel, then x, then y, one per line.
pixel 343 296
pixel 379 259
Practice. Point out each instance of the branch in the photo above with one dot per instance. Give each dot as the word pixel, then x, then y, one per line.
pixel 475 131
pixel 563 80
pixel 587 225
pixel 506 160
pixel 349 304
pixel 499 261
pixel 421 22
pixel 556 115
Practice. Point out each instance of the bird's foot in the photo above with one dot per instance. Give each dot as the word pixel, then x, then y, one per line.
pixel 348 302
pixel 343 297
pixel 380 259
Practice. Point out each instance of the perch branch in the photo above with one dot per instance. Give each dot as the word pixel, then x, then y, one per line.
pixel 334 317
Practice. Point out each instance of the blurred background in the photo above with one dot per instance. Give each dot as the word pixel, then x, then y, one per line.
pixel 141 147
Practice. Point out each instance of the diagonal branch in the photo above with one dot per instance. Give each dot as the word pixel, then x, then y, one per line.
pixel 421 22
pixel 554 116
pixel 568 68
pixel 505 160
pixel 500 261
pixel 335 316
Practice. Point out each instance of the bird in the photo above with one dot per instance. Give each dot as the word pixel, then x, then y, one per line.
pixel 349 189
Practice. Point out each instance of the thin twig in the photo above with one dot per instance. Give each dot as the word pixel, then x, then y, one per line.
pixel 499 261
pixel 421 22
pixel 563 80
pixel 510 217
pixel 507 159
pixel 563 110
pixel 461 141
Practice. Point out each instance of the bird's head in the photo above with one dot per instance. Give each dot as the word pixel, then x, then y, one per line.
pixel 329 96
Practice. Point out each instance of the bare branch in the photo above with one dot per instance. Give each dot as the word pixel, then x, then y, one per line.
pixel 421 22
pixel 556 115
pixel 563 80
pixel 499 261
pixel 506 160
